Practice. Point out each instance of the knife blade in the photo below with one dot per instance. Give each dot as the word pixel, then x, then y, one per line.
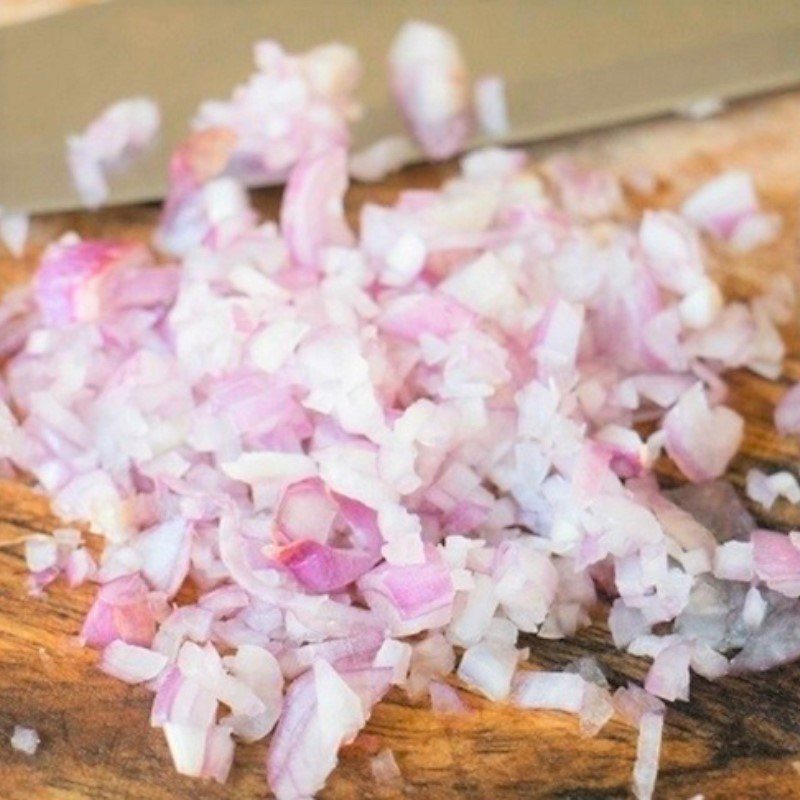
pixel 569 65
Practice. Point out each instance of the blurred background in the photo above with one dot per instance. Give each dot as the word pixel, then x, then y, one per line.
pixel 21 10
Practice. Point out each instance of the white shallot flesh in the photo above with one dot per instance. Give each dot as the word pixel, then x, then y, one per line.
pixel 121 133
pixel 430 82
pixel 25 740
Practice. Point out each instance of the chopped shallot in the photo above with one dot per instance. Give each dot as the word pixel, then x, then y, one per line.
pixel 382 158
pixel 430 83
pixel 766 489
pixel 445 699
pixel 131 663
pixel 26 740
pixel 727 207
pixel 121 132
pixel 787 412
pixel 490 105
pixel 14 232
pixel 327 461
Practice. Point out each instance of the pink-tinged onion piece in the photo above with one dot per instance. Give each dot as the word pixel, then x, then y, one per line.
pixel 430 83
pixel 200 752
pixel 80 567
pixel 321 568
pixel 306 515
pixel 70 281
pixel 491 108
pixel 321 713
pixel 396 656
pixel 727 207
pixel 445 699
pixel 648 754
pixel 672 251
pixel 164 550
pixel 306 511
pixel 383 157
pixel 14 232
pixel 121 132
pixel 587 193
pixel 787 413
pixel 776 561
pixel 131 663
pixel 292 107
pixel 25 740
pixel 699 439
pixel 312 211
pixel 259 671
pixel 122 610
pixel 766 489
pixel 597 709
pixel 668 677
pixel 411 598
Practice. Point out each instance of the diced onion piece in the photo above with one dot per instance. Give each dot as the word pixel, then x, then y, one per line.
pixel 25 740
pixel 560 691
pixel 131 663
pixel 429 80
pixel 491 107
pixel 702 440
pixel 14 232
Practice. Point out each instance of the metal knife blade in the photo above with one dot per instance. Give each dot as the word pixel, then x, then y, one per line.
pixel 569 65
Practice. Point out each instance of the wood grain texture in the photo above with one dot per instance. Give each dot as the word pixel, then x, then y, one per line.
pixel 739 738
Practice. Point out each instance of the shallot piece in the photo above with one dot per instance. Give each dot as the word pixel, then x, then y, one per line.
pixel 727 208
pixel 445 699
pixel 25 740
pixel 325 461
pixel 131 663
pixel 14 231
pixel 702 108
pixel 382 158
pixel 702 440
pixel 787 412
pixel 491 107
pixel 119 134
pixel 766 489
pixel 430 83
pixel 293 107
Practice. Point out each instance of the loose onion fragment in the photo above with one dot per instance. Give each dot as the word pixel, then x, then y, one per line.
pixel 14 231
pixel 430 83
pixel 25 740
pixel 121 132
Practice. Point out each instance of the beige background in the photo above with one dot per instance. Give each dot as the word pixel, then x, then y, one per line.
pixel 21 10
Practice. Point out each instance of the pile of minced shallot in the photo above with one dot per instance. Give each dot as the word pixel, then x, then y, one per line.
pixel 380 454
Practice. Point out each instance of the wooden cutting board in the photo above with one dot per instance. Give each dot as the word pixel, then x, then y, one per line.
pixel 739 738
